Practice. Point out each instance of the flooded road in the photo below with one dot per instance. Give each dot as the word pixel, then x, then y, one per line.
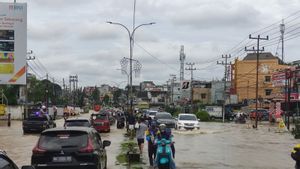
pixel 234 146
pixel 214 146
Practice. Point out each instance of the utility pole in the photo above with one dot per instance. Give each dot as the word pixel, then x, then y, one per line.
pixel 29 58
pixel 226 57
pixel 47 91
pixel 282 29
pixel 257 50
pixel 191 68
pixel 73 79
pixel 173 77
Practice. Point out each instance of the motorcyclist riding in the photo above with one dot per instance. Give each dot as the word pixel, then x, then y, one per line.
pixel 166 133
pixel 164 139
pixel 44 109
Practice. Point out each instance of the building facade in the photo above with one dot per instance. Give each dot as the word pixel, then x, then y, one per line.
pixel 243 75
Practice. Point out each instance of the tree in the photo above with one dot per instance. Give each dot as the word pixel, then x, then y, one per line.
pixel 106 99
pixel 11 92
pixel 117 93
pixel 96 96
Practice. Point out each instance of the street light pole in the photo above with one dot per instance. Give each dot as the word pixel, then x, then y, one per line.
pixel 131 40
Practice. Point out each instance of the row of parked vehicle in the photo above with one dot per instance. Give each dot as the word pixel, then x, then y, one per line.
pixel 77 144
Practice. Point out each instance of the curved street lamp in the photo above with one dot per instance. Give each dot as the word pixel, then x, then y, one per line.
pixel 131 41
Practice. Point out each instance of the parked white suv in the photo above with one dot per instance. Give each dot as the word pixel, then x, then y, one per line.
pixel 187 121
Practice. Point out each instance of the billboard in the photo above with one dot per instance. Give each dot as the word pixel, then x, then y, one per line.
pixel 185 89
pixel 278 79
pixel 13 43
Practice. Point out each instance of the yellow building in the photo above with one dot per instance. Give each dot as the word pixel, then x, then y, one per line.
pixel 244 76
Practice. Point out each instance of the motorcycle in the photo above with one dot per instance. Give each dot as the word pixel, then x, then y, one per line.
pixel 240 118
pixel 121 123
pixel 164 157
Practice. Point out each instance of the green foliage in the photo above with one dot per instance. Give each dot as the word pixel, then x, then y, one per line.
pixel 37 91
pixel 96 96
pixel 203 115
pixel 11 92
pixel 116 95
pixel 106 100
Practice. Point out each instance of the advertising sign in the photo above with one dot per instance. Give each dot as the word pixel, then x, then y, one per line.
pixel 185 89
pixel 278 79
pixel 13 43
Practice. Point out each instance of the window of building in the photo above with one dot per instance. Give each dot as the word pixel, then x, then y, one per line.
pixel 178 88
pixel 268 92
pixel 267 78
pixel 203 96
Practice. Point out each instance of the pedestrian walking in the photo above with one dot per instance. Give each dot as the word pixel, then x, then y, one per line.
pixel 141 128
pixel 54 112
pixel 151 135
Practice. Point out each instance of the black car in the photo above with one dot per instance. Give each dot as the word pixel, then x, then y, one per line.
pixel 38 121
pixel 70 147
pixel 78 122
pixel 7 163
pixel 165 118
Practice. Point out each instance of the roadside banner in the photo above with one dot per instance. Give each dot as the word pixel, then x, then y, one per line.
pixel 185 89
pixel 13 43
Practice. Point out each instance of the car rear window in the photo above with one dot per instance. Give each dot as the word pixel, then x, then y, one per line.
pixel 83 123
pixel 101 116
pixel 63 139
pixel 163 116
pixel 152 113
pixel 187 117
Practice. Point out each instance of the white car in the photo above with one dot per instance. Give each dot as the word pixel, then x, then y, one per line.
pixel 152 114
pixel 187 121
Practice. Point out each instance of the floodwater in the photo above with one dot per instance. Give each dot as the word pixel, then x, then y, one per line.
pixel 214 146
pixel 234 146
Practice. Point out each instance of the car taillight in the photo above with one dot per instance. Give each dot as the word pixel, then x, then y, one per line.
pixel 38 150
pixel 89 148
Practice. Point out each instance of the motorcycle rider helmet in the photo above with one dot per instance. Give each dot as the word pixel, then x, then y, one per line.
pixel 44 109
pixel 162 127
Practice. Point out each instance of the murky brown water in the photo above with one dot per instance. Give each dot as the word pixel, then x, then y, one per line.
pixel 234 146
pixel 214 146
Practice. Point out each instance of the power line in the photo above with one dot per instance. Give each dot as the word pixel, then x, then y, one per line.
pixel 42 65
pixel 156 58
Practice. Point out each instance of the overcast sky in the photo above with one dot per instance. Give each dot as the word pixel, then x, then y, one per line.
pixel 72 37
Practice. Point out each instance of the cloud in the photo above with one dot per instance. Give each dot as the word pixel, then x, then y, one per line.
pixel 71 37
pixel 212 16
pixel 97 32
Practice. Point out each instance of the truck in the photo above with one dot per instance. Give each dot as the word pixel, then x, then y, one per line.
pixel 215 112
pixel 37 121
